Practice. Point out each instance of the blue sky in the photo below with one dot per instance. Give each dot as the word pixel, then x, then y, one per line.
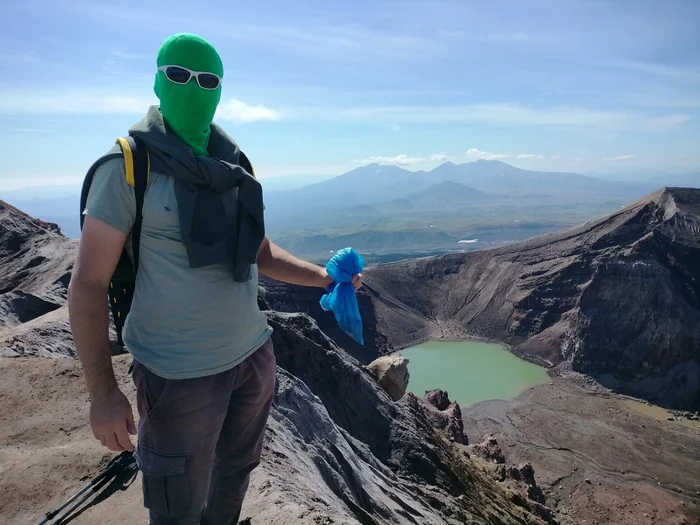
pixel 323 87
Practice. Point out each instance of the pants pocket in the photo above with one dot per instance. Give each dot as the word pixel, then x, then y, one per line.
pixel 166 487
pixel 151 389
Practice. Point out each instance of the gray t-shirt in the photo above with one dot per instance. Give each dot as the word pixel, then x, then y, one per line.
pixel 184 322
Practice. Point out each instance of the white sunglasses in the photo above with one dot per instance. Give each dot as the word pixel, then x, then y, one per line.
pixel 182 75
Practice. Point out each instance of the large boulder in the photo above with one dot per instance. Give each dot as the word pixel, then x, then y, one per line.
pixel 391 372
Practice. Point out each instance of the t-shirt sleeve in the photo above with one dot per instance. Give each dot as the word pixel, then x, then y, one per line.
pixel 110 198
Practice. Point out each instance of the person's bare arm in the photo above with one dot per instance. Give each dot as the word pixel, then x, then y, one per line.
pixel 281 265
pixel 100 248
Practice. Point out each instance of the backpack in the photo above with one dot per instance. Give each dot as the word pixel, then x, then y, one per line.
pixel 137 169
pixel 123 282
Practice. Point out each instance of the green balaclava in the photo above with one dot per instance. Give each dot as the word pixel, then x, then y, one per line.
pixel 187 108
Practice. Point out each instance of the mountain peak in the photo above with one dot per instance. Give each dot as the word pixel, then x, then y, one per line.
pixel 682 198
pixel 669 213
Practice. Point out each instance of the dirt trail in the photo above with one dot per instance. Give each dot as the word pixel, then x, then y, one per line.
pixel 48 452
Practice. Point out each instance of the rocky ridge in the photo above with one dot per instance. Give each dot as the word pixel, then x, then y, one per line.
pixel 36 261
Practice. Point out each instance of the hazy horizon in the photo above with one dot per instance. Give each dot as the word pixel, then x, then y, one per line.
pixel 298 180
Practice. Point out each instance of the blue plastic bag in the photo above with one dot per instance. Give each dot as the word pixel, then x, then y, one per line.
pixel 341 298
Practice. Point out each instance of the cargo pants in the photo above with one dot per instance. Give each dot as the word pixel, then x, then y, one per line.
pixel 199 439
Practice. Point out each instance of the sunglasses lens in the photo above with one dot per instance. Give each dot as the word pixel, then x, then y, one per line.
pixel 177 75
pixel 208 81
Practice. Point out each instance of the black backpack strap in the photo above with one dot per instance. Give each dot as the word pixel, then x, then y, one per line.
pixel 136 170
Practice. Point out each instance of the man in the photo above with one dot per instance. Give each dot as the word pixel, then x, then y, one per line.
pixel 204 366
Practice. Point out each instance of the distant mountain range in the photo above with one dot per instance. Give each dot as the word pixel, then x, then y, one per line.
pixel 377 183
pixel 377 206
pixel 40 192
pixel 489 200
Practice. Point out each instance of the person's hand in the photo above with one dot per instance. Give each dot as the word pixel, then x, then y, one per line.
pixel 357 281
pixel 112 420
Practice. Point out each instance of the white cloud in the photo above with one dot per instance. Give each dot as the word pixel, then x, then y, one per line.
pixel 71 103
pixel 398 160
pixel 308 38
pixel 94 103
pixel 120 53
pixel 503 114
pixel 393 127
pixel 19 56
pixel 129 101
pixel 476 154
pixel 402 159
pixel 242 113
pixel 438 157
pixel 529 156
pixel 506 37
pixel 471 154
pixel 621 157
pixel 689 74
pixel 662 123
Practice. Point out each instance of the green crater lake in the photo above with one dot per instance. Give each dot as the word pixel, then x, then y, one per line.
pixel 470 371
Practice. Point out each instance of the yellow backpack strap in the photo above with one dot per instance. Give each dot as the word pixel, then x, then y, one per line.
pixel 128 160
pixel 137 167
pixel 128 146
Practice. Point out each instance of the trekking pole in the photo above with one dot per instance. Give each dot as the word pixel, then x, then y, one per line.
pixel 95 484
pixel 94 489
pixel 52 514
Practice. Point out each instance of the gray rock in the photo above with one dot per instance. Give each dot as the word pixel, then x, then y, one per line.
pixel 446 416
pixel 391 372
pixel 374 455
